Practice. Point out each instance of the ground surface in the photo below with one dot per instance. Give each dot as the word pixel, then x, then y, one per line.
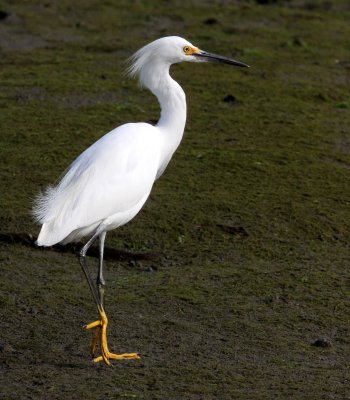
pixel 246 235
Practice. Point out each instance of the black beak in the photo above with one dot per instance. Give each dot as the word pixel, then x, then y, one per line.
pixel 203 55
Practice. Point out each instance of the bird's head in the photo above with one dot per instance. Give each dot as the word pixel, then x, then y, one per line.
pixel 170 50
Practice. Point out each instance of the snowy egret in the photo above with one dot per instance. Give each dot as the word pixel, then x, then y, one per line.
pixel 107 185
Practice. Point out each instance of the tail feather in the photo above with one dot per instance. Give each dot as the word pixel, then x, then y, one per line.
pixel 50 235
pixel 49 210
pixel 42 204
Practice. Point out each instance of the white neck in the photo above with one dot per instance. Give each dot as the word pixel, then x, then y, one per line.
pixel 155 76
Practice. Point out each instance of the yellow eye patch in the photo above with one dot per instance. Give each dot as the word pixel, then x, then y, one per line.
pixel 188 50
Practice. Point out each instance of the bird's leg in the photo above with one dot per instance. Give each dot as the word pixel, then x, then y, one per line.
pixel 100 325
pixel 95 294
pixel 82 260
pixel 100 281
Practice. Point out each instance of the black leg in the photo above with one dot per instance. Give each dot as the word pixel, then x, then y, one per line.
pixel 101 283
pixel 100 325
pixel 82 260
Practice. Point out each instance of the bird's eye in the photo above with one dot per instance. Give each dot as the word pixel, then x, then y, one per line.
pixel 187 50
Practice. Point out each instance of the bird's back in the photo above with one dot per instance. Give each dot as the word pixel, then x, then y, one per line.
pixel 107 184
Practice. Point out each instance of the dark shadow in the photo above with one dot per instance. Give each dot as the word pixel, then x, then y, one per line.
pixel 27 239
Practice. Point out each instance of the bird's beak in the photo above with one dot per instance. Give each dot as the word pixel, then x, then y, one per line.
pixel 205 56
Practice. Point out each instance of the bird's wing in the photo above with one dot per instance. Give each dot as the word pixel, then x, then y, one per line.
pixel 111 176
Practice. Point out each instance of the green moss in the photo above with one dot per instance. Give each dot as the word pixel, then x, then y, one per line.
pixel 217 313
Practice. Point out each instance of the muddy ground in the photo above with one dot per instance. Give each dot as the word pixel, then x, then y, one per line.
pixel 233 281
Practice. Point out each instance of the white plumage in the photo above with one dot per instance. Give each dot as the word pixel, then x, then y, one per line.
pixel 107 185
pixel 104 187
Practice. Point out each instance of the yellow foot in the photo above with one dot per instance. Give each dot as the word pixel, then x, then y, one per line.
pixel 100 335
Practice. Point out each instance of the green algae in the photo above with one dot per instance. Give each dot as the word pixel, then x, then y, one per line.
pixel 218 314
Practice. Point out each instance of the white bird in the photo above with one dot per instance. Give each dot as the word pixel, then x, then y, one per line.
pixel 107 185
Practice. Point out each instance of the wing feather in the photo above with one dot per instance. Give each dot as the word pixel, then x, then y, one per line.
pixel 110 177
